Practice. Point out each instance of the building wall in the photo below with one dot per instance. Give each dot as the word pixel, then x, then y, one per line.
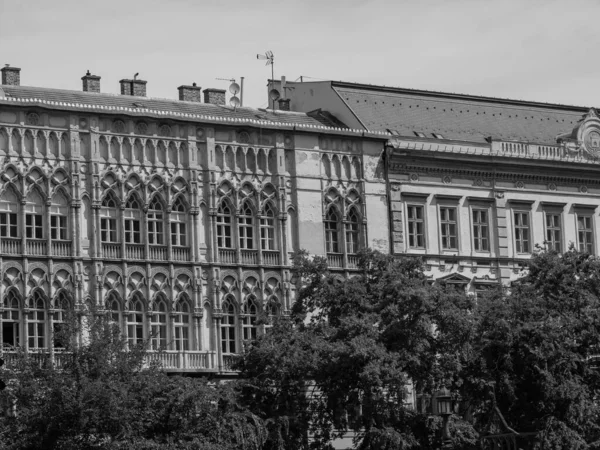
pixel 152 239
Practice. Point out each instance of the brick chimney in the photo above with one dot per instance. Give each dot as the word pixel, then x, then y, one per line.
pixel 214 96
pixel 190 93
pixel 133 87
pixel 11 75
pixel 91 83
pixel 284 104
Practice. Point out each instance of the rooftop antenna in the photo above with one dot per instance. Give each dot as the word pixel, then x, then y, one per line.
pixel 270 58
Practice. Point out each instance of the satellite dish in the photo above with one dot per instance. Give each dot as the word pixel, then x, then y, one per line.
pixel 234 101
pixel 234 88
pixel 274 94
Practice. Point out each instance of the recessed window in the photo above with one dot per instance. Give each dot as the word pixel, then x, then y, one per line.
pixel 332 233
pixel 553 231
pixel 224 226
pixel 416 226
pixel 449 228
pixel 481 238
pixel 522 231
pixel 585 233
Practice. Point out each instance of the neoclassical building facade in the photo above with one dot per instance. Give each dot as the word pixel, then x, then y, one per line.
pixel 174 219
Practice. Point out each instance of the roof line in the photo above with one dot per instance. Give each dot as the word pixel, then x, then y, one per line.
pixel 348 106
pixel 449 95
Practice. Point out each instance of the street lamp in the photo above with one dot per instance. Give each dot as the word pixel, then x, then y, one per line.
pixel 444 409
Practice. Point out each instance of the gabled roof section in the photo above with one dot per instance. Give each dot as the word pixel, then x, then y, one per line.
pixel 176 107
pixel 407 112
pixel 454 278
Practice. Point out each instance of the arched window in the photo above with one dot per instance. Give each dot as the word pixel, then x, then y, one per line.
pixel 9 212
pixel 272 310
pixel 246 227
pixel 108 219
pixel 249 316
pixel 59 218
pixel 182 325
pixel 61 306
pixel 352 232
pixel 228 334
pixel 155 222
pixel 135 322
pixel 133 222
pixel 178 223
pixel 158 327
pixel 224 226
pixel 332 235
pixel 36 325
pixel 267 229
pixel 114 309
pixel 11 320
pixel 34 216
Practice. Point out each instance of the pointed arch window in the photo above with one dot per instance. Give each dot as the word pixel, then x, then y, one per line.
pixel 332 231
pixel 267 229
pixel 178 223
pixel 228 333
pixel 61 306
pixel 135 322
pixel 133 222
pixel 249 317
pixel 108 219
pixel 352 232
pixel 224 226
pixel 11 320
pixel 272 311
pixel 182 325
pixel 59 214
pixel 246 227
pixel 158 326
pixel 9 212
pixel 34 216
pixel 36 324
pixel 155 222
pixel 114 310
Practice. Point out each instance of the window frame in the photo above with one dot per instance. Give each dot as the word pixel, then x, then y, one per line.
pixel 414 201
pixel 155 222
pixel 178 231
pixel 587 213
pixel 229 323
pixel 224 226
pixel 132 220
pixel 445 226
pixel 245 225
pixel 481 231
pixel 332 230
pixel 268 230
pixel 352 230
pixel 555 210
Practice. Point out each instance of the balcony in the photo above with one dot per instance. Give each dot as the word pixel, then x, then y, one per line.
pixel 11 246
pixel 37 247
pixel 158 253
pixel 61 248
pixel 181 253
pixel 352 261
pixel 228 361
pixel 135 251
pixel 335 260
pixel 227 256
pixel 249 257
pixel 270 257
pixel 111 250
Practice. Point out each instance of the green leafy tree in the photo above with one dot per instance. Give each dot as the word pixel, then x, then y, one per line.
pixel 107 397
pixel 354 346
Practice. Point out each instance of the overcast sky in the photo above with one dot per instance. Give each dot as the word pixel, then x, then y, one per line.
pixel 532 50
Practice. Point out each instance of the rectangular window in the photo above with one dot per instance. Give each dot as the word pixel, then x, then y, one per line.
pixel 352 237
pixel 8 225
pixel 58 228
pixel 178 233
pixel 449 228
pixel 155 231
pixel 481 236
pixel 585 233
pixel 133 231
pixel 416 226
pixel 34 227
pixel 553 232
pixel 522 231
pixel 108 229
pixel 246 233
pixel 332 236
pixel 224 232
pixel 267 234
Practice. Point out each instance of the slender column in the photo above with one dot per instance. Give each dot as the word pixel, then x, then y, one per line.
pixel 75 228
pixel 168 235
pixel 23 228
pixel 343 224
pixel 171 330
pixel 258 240
pixel 197 332
pixel 215 250
pixel 47 224
pixel 283 250
pixel 121 221
pixel 193 236
pixel 145 229
pixel 97 234
pixel 217 332
pixel 50 335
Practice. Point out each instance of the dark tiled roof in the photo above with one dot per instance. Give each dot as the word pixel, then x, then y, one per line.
pixel 175 106
pixel 458 117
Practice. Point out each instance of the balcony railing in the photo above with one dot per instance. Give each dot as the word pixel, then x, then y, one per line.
pixel 36 247
pixel 135 251
pixel 335 260
pixel 158 252
pixel 352 261
pixel 228 361
pixel 11 246
pixel 181 253
pixel 61 248
pixel 249 256
pixel 227 256
pixel 270 258
pixel 111 251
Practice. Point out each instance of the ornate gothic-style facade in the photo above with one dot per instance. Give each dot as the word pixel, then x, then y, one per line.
pixel 173 218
